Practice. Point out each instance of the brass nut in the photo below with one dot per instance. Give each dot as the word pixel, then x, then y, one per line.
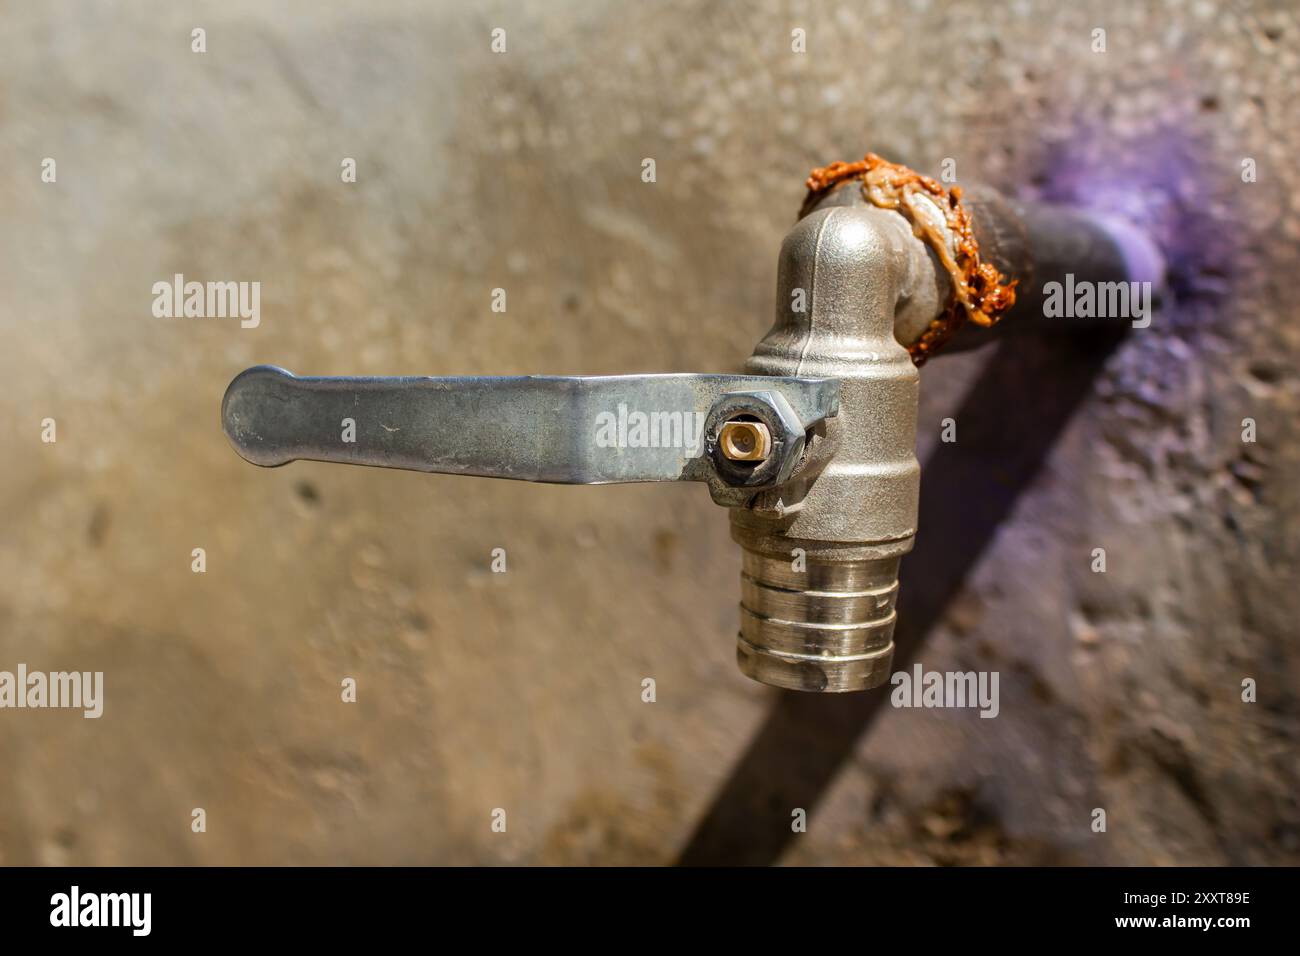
pixel 745 441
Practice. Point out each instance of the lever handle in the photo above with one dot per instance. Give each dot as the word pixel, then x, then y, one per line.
pixel 559 429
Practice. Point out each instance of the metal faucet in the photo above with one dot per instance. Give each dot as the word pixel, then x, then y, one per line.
pixel 812 451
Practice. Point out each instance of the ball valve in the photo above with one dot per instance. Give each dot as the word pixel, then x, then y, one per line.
pixel 812 451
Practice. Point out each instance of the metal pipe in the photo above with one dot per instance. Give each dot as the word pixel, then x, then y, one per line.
pixel 1045 243
pixel 1036 244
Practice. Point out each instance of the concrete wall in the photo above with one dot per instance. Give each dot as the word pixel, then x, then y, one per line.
pixel 522 690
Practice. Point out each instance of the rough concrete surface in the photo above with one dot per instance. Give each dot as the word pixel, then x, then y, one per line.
pixel 522 690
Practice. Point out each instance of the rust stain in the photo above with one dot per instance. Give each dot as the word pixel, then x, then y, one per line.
pixel 981 293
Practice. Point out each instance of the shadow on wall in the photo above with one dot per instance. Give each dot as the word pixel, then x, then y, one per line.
pixel 967 490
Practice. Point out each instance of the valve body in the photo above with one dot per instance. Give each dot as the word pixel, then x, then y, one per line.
pixel 821 553
pixel 813 450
